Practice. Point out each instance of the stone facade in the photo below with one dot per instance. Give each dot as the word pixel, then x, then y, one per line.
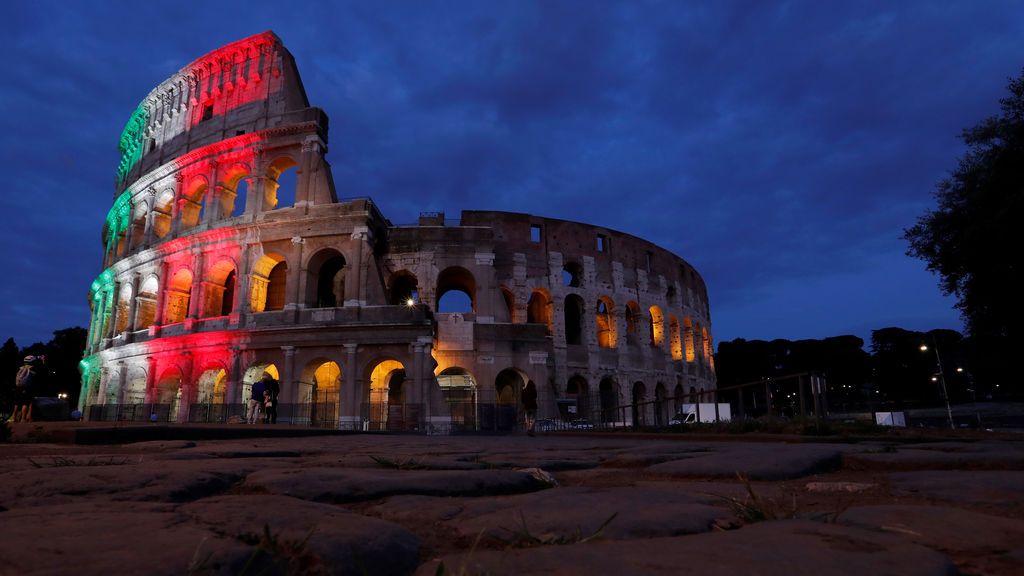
pixel 229 254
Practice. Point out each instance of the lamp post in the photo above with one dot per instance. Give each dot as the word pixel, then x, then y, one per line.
pixel 942 379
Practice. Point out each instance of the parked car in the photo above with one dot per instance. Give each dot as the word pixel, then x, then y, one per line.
pixel 581 424
pixel 546 425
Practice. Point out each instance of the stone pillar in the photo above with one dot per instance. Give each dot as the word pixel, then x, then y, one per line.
pixel 122 381
pixel 416 391
pixel 212 194
pixel 289 388
pixel 101 396
pixel 150 379
pixel 195 301
pixel 111 330
pixel 161 298
pixel 133 305
pixel 295 271
pixel 351 408
pixel 304 178
pixel 234 388
pixel 150 215
pixel 187 387
pixel 240 304
pixel 176 206
pixel 359 236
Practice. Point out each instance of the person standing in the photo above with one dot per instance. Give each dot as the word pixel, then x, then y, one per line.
pixel 271 391
pixel 529 397
pixel 256 400
pixel 25 384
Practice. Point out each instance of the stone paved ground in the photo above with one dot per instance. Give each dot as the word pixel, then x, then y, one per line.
pixel 588 504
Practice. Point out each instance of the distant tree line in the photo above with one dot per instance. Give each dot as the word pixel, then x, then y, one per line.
pixel 60 375
pixel 896 371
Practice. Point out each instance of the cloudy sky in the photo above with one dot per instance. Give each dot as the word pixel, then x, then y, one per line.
pixel 779 147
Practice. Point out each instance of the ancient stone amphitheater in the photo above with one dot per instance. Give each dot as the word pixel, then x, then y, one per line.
pixel 228 254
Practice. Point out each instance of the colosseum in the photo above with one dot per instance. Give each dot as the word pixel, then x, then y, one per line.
pixel 229 254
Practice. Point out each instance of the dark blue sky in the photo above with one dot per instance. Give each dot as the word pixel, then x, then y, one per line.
pixel 780 148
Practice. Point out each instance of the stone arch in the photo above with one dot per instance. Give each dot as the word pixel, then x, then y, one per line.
pixel 167 394
pixel 657 327
pixel 124 303
pixel 508 387
pixel 573 319
pixel 321 384
pixel 386 392
pixel 706 341
pixel 325 281
pixel 606 325
pixel 456 279
pixel 459 390
pixel 234 188
pixel 274 197
pixel 211 386
pixel 509 298
pixel 138 224
pixel 660 406
pixel 578 394
pixel 219 292
pixel 632 322
pixel 163 215
pixel 688 339
pixel 178 295
pixel 639 397
pixel 404 289
pixel 675 343
pixel 268 283
pixel 146 302
pixel 135 387
pixel 677 398
pixel 193 201
pixel 540 309
pixel 572 275
pixel 608 394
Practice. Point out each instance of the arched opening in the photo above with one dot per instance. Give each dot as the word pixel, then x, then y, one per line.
pixel 164 209
pixel 279 189
pixel 639 393
pixel 660 417
pixel 675 342
pixel 252 374
pixel 657 327
pixel 168 396
pixel 124 302
pixel 508 386
pixel 138 225
pixel 325 285
pixel 677 399
pixel 632 322
pixel 178 295
pixel 539 309
pixel 573 319
pixel 211 387
pixel 135 394
pixel 234 190
pixel 238 203
pixel 268 282
pixel 510 303
pixel 387 396
pixel 609 398
pixel 688 339
pixel 706 341
pixel 606 333
pixel 458 387
pixel 456 290
pixel 193 201
pixel 219 292
pixel 578 405
pixel 404 289
pixel 146 303
pixel 693 397
pixel 320 393
pixel 572 275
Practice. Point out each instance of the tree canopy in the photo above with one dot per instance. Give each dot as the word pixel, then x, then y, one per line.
pixel 972 239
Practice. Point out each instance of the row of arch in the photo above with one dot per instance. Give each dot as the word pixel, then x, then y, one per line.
pixel 605 409
pixel 218 194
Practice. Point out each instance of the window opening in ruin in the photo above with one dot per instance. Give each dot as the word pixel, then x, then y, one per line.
pixel 602 243
pixel 458 387
pixel 162 218
pixel 218 289
pixel 510 303
pixel 609 399
pixel 538 309
pixel 207 113
pixel 146 304
pixel 404 290
pixel 330 285
pixel 573 319
pixel 241 195
pixel 279 187
pixel 670 295
pixel 385 409
pixel 605 321
pixel 178 295
pixel 639 392
pixel 535 233
pixel 657 327
pixel 239 132
pixel 650 257
pixel 456 289
pixel 455 301
pixel 228 300
pixel 276 282
pixel 286 189
pixel 578 404
pixel 572 275
pixel 319 388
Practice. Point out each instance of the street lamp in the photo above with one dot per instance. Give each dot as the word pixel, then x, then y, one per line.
pixel 942 379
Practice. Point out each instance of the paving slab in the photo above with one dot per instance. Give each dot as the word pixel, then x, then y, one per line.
pixel 331 540
pixel 757 461
pixel 979 543
pixel 351 485
pixel 941 456
pixel 767 549
pixel 963 487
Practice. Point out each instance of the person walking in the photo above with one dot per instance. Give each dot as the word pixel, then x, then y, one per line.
pixel 256 400
pixel 529 398
pixel 25 384
pixel 271 391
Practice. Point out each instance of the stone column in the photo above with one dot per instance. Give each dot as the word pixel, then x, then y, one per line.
pixel 195 301
pixel 240 304
pixel 234 388
pixel 304 178
pixel 289 389
pixel 176 206
pixel 161 298
pixel 150 215
pixel 101 396
pixel 150 379
pixel 111 330
pixel 133 304
pixel 212 193
pixel 295 270
pixel 122 381
pixel 187 387
pixel 351 409
pixel 359 236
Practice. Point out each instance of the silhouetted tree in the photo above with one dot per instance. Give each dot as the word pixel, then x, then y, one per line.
pixel 969 239
pixel 10 361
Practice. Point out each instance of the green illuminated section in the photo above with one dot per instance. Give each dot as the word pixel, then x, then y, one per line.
pixel 101 281
pixel 119 215
pixel 130 144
